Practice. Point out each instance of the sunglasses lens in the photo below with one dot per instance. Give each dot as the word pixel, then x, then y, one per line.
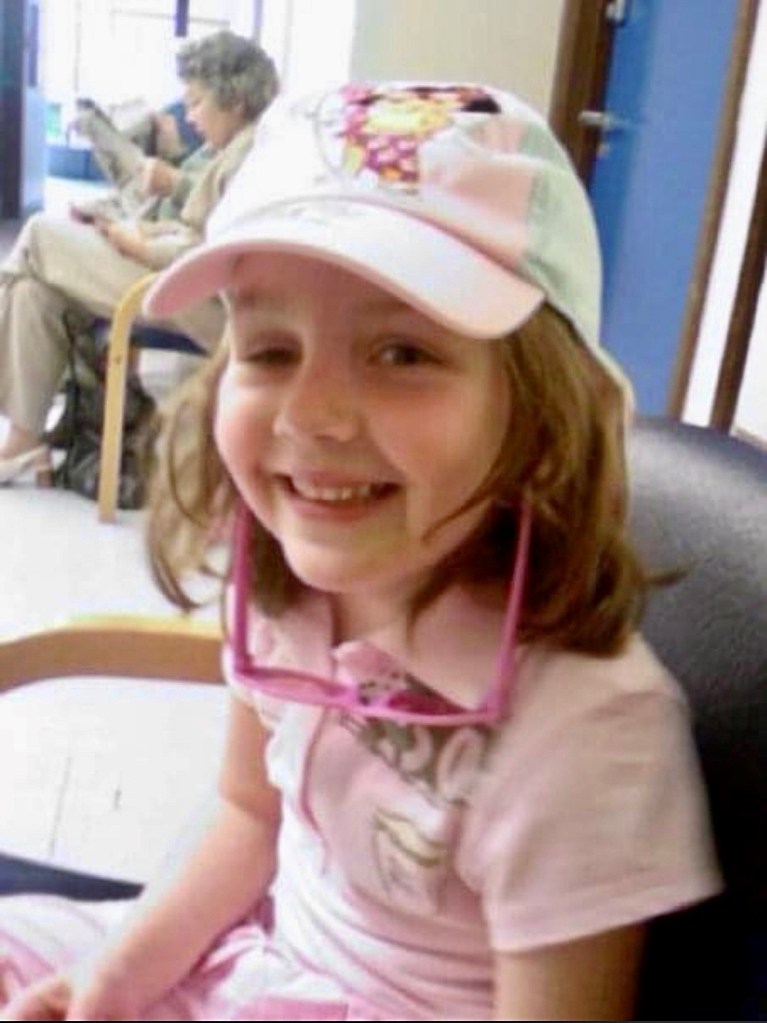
pixel 404 705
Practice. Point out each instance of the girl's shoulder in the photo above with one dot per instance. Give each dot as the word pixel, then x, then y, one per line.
pixel 578 721
pixel 564 683
pixel 593 785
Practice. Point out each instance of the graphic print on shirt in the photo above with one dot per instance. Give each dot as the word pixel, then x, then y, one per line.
pixel 410 865
pixel 411 847
pixel 441 763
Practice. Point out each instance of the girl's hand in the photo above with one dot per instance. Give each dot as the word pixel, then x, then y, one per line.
pixel 48 999
pixel 58 997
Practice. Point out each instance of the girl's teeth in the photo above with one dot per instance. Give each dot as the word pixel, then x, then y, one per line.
pixel 336 495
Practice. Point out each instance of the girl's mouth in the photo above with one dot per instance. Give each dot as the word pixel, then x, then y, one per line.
pixel 338 495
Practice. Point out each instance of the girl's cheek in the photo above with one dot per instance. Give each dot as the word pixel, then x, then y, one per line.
pixel 241 426
pixel 227 424
pixel 221 435
pixel 230 435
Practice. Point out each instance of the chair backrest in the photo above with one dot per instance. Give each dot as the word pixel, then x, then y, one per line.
pixel 122 330
pixel 148 336
pixel 700 504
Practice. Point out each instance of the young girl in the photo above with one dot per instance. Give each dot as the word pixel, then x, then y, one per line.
pixel 457 782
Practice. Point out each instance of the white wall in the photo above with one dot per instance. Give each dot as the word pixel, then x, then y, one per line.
pixel 751 413
pixel 508 43
pixel 310 41
pixel 116 53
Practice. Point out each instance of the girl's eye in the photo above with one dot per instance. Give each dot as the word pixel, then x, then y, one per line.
pixel 404 353
pixel 271 356
pixel 267 354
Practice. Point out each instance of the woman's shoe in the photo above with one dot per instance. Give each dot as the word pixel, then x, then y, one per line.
pixel 33 464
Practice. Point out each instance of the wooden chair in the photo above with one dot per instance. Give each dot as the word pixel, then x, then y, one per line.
pixel 122 334
pixel 121 646
pixel 97 650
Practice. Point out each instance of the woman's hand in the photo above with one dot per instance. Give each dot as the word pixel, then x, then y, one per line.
pixel 158 177
pixel 168 142
pixel 79 215
pixel 127 238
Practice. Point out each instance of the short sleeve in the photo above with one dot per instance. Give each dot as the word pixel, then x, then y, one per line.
pixel 591 813
pixel 268 709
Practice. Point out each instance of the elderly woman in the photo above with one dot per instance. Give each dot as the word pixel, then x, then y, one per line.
pixel 59 265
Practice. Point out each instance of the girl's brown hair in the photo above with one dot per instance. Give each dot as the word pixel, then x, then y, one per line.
pixel 563 452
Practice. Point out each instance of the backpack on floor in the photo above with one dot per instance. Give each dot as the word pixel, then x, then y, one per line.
pixel 78 430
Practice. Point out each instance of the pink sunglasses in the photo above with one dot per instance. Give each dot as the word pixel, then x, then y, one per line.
pixel 402 704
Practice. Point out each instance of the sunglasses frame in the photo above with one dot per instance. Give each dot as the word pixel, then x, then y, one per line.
pixel 314 690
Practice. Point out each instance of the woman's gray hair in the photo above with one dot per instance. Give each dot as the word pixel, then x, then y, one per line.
pixel 235 69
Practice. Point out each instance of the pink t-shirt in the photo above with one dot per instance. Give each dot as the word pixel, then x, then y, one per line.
pixel 408 854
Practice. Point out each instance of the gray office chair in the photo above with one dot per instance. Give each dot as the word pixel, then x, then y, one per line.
pixel 699 504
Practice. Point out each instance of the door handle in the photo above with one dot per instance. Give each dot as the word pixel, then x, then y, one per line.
pixel 600 120
pixel 617 12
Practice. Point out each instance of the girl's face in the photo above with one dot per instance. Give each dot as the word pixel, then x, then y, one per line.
pixel 352 425
pixel 216 125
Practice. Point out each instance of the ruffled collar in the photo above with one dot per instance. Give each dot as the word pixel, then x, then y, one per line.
pixel 452 647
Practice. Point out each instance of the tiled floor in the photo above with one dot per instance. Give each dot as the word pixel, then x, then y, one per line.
pixel 97 774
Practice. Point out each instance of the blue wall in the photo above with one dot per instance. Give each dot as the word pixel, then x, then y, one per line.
pixel 649 188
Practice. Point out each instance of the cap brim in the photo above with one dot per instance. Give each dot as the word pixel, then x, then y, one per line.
pixel 437 273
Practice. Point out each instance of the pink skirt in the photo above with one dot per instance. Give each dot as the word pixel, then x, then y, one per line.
pixel 244 976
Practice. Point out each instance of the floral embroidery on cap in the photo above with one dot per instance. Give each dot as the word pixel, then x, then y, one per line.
pixel 382 129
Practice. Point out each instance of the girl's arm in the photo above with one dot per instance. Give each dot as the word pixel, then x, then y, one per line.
pixel 593 978
pixel 228 873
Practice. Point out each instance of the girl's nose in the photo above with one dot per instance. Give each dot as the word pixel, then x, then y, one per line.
pixel 319 403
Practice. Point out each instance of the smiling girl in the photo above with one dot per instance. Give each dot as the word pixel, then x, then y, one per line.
pixel 457 782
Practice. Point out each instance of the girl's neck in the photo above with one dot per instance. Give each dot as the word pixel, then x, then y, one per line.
pixel 355 617
pixel 360 614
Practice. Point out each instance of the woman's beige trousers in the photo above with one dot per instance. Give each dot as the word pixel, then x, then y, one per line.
pixel 55 265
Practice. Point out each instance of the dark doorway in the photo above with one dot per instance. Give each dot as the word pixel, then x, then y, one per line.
pixel 22 110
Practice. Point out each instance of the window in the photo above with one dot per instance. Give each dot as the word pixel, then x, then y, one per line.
pixel 121 52
pixel 117 51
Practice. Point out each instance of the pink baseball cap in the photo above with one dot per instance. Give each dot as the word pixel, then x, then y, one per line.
pixel 456 198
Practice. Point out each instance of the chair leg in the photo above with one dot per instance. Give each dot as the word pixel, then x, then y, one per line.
pixel 118 356
pixel 112 428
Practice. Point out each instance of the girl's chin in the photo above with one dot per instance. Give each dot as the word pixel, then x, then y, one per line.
pixel 330 578
pixel 347 577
